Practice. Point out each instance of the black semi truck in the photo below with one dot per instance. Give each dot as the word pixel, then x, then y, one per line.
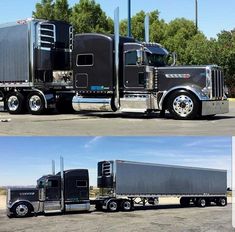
pixel 35 65
pixel 118 73
pixel 124 184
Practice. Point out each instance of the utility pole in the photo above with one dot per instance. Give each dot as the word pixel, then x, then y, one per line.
pixel 129 19
pixel 196 15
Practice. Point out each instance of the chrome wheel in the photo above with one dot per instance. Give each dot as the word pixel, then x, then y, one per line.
pixel 35 103
pixel 202 202
pixel 183 105
pixel 13 103
pixel 113 206
pixel 126 205
pixel 223 202
pixel 22 210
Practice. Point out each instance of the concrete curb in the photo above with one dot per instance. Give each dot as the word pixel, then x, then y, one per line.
pixel 231 99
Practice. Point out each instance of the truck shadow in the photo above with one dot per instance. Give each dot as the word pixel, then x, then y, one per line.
pixel 149 116
pixel 172 206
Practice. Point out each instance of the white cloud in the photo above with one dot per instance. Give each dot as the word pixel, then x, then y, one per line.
pixel 92 141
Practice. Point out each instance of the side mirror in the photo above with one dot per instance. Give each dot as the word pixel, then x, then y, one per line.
pixel 174 58
pixel 140 59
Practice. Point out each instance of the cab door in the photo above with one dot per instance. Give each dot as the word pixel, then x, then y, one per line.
pixel 52 196
pixel 134 71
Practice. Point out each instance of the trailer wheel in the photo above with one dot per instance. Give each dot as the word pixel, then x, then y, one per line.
pixel 183 105
pixel 126 205
pixel 201 202
pixel 222 201
pixel 112 206
pixel 15 103
pixel 22 209
pixel 36 103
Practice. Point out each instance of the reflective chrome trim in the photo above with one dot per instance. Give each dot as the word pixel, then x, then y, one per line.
pixel 91 104
pixel 77 207
pixel 13 103
pixel 195 89
pixel 215 107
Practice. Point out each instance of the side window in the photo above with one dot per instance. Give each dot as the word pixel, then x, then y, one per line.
pixel 85 60
pixel 53 184
pixel 131 58
pixel 81 183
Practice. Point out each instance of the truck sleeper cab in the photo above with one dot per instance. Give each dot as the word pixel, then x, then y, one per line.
pixel 53 194
pixel 35 65
pixel 145 82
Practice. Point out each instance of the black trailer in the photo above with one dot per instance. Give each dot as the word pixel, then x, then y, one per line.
pixel 35 65
pixel 119 73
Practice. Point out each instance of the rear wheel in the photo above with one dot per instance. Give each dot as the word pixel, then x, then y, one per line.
pixel 22 209
pixel 112 206
pixel 201 202
pixel 183 105
pixel 15 103
pixel 126 205
pixel 222 201
pixel 36 103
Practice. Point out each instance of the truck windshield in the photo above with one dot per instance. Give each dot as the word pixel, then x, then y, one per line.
pixel 156 60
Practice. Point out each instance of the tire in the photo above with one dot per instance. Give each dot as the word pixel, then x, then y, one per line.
pixel 126 205
pixel 183 105
pixel 22 209
pixel 222 201
pixel 36 103
pixel 201 202
pixel 112 206
pixel 15 103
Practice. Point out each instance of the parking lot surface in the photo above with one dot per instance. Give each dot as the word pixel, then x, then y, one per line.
pixel 104 124
pixel 163 218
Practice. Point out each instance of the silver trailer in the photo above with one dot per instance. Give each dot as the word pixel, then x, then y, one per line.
pixel 132 180
pixel 35 64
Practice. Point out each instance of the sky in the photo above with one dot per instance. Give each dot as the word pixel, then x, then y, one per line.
pixel 25 159
pixel 214 15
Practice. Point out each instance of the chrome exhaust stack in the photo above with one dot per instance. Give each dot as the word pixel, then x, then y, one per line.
pixel 116 38
pixel 146 28
pixel 53 167
pixel 62 182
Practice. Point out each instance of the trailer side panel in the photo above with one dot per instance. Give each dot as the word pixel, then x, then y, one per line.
pixel 140 178
pixel 14 53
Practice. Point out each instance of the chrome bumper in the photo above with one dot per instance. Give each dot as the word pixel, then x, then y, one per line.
pixel 215 107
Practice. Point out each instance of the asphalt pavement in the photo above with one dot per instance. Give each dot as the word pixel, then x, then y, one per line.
pixel 115 124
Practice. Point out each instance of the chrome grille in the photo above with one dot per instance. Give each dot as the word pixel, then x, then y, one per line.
pixel 217 83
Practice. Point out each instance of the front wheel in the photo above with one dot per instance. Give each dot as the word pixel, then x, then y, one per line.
pixel 201 202
pixel 183 105
pixel 36 103
pixel 21 210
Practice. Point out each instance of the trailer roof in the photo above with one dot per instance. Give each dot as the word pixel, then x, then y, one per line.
pixel 166 165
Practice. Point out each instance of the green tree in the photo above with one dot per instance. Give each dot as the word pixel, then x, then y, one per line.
pixel 44 10
pixel 62 10
pixel 87 16
pixel 177 35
